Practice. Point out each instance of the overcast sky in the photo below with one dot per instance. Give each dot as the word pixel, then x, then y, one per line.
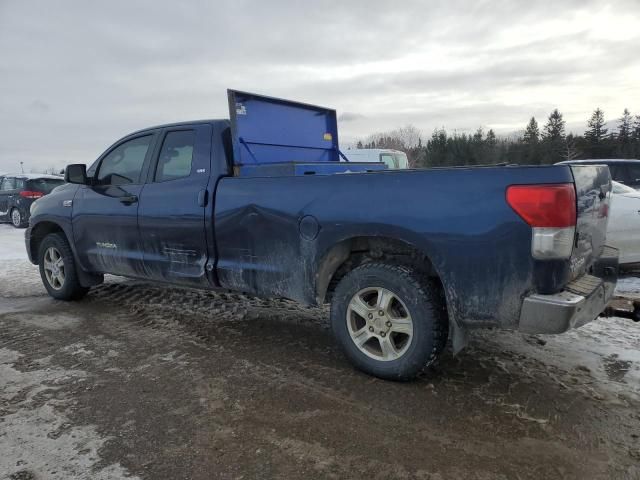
pixel 75 76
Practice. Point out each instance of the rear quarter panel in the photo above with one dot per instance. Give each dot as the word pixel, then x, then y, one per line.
pixel 458 217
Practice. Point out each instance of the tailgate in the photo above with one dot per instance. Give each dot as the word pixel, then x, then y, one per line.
pixel 593 193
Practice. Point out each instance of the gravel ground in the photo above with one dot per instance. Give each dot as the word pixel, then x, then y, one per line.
pixel 146 381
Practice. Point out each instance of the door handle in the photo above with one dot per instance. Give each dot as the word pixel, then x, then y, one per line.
pixel 129 199
pixel 202 198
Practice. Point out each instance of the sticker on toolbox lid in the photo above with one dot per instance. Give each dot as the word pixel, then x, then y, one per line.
pixel 328 136
pixel 240 109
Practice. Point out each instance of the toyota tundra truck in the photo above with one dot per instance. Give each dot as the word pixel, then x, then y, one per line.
pixel 265 203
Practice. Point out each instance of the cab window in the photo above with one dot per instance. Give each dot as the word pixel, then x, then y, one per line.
pixel 123 165
pixel 388 160
pixel 176 156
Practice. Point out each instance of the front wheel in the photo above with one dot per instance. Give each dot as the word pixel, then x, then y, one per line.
pixel 390 322
pixel 58 270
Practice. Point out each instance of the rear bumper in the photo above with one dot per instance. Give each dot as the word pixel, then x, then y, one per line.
pixel 582 301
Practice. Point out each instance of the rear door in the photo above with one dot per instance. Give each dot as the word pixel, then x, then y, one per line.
pixel 7 191
pixel 172 207
pixel 105 214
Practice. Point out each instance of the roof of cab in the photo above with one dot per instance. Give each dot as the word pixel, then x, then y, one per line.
pixel 178 124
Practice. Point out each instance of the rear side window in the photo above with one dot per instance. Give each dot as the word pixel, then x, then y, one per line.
pixel 176 156
pixel 633 174
pixel 123 164
pixel 8 183
pixel 618 172
pixel 44 185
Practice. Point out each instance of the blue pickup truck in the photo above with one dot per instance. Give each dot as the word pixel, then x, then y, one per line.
pixel 262 203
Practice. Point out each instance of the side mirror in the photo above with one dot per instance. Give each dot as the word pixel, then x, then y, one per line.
pixel 76 173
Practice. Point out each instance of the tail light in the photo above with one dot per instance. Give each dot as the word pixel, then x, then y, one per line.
pixel 551 212
pixel 30 194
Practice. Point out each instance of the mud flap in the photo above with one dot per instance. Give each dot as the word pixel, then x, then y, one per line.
pixel 89 279
pixel 459 337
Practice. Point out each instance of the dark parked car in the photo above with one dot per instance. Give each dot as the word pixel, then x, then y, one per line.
pixel 623 170
pixel 18 191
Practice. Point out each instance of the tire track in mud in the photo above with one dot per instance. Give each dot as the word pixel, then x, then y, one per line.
pixel 196 312
pixel 201 311
pixel 280 386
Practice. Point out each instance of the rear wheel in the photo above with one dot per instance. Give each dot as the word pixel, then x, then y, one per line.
pixel 17 219
pixel 389 322
pixel 58 270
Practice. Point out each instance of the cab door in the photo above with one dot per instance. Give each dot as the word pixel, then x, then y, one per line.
pixel 105 213
pixel 172 207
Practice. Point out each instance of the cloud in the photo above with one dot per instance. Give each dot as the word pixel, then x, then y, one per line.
pixel 75 76
pixel 349 117
pixel 39 106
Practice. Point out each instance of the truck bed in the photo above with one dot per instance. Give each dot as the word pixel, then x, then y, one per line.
pixel 475 242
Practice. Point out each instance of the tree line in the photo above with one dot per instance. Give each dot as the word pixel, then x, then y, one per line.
pixel 535 146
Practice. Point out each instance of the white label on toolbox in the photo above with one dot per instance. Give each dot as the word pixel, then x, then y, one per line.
pixel 240 109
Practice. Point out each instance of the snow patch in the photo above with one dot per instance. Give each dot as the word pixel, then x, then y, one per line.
pixel 38 441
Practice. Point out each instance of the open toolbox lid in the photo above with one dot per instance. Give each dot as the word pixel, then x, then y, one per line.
pixel 272 130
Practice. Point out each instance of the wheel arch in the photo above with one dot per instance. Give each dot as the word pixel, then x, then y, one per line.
pixel 46 227
pixel 38 232
pixel 351 252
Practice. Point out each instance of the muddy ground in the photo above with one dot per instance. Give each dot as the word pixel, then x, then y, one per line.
pixel 144 381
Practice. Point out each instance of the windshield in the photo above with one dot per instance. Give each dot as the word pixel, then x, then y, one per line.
pixel 44 185
pixel 619 188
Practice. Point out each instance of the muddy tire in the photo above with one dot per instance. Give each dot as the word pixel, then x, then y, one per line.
pixel 58 269
pixel 389 322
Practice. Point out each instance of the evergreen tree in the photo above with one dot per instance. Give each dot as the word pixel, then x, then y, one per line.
pixel 571 151
pixel 596 132
pixel 554 129
pixel 635 138
pixel 491 140
pixel 532 132
pixel 623 140
pixel 553 139
pixel 530 153
pixel 625 127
